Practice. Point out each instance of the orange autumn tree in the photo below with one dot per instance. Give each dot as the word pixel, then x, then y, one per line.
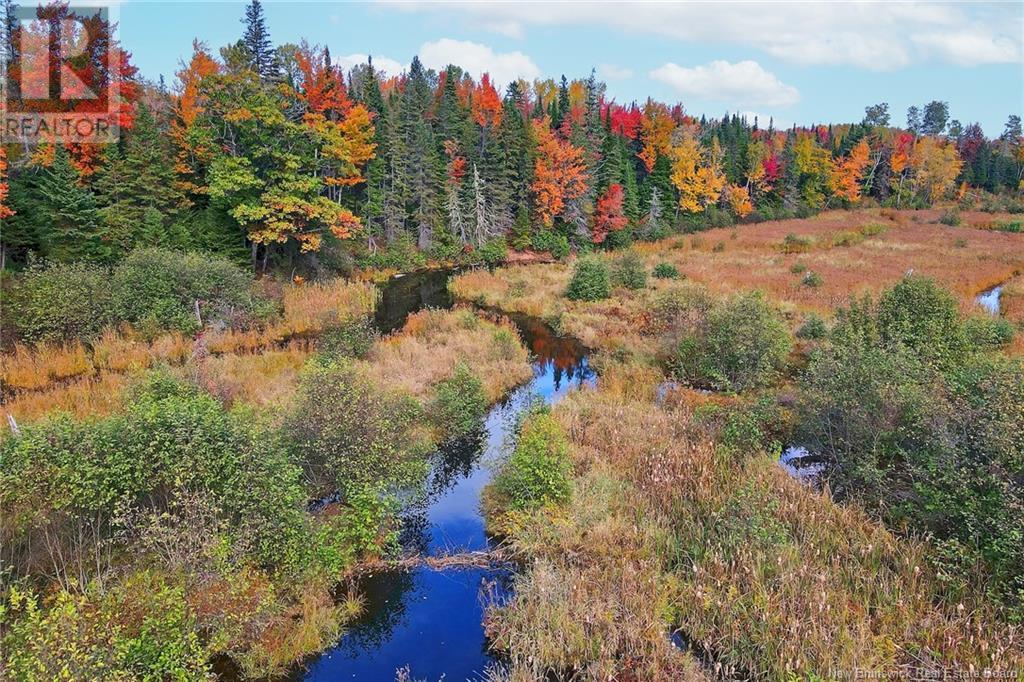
pixel 656 128
pixel 192 155
pixel 608 216
pixel 850 172
pixel 559 172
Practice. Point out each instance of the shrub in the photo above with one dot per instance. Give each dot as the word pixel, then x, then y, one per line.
pixel 629 271
pixel 847 238
pixel 348 433
pixel 813 328
pixel 493 252
pixel 353 338
pixel 665 271
pixel 989 332
pixel 556 243
pixel 743 345
pixel 158 289
pixel 460 403
pixel 539 472
pixel 811 279
pixel 925 318
pixel 719 247
pixel 950 217
pixel 1013 226
pixel 798 268
pixel 590 281
pixel 60 302
pixel 873 229
pixel 796 244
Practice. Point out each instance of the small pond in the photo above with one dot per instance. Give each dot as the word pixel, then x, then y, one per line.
pixel 432 620
pixel 989 299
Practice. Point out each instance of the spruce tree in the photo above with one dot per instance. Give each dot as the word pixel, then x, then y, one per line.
pixel 256 40
pixel 70 220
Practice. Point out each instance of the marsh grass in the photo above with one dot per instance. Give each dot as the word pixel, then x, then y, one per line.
pixel 771 578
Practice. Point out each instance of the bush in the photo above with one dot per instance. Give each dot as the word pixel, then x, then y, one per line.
pixel 1012 226
pixel 813 328
pixel 460 403
pixel 847 238
pixel 925 318
pixel 798 268
pixel 555 243
pixel 989 332
pixel 629 271
pixel 157 289
pixel 60 302
pixel 950 217
pixel 353 338
pixel 539 471
pixel 742 345
pixel 590 281
pixel 795 244
pixel 493 252
pixel 349 434
pixel 665 271
pixel 812 279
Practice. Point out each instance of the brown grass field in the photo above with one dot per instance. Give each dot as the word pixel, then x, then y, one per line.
pixel 852 252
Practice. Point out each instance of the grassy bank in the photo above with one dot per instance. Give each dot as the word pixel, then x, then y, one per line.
pixel 177 526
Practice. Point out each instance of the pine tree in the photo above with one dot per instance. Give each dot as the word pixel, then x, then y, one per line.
pixel 69 216
pixel 422 165
pixel 256 39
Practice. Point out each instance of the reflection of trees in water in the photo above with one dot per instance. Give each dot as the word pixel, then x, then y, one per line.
pixel 453 461
pixel 564 358
pixel 385 595
pixel 407 294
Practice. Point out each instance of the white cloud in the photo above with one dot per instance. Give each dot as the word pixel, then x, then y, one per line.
pixel 969 48
pixel 871 35
pixel 476 59
pixel 385 64
pixel 613 73
pixel 742 83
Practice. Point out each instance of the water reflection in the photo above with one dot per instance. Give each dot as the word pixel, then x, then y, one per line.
pixel 432 620
pixel 989 300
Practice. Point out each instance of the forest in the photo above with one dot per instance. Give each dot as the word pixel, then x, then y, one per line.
pixel 320 373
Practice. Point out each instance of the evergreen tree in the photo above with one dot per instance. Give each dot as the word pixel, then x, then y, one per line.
pixel 256 40
pixel 69 218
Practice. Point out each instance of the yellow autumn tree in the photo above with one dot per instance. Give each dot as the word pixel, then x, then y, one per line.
pixel 696 172
pixel 936 165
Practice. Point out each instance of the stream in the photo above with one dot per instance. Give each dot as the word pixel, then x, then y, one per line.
pixel 432 620
pixel 989 299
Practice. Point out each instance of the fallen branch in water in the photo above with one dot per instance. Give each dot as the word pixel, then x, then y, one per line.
pixel 479 559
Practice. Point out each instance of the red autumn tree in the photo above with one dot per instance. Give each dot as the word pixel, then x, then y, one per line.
pixel 559 172
pixel 609 217
pixel 322 85
pixel 486 104
pixel 5 210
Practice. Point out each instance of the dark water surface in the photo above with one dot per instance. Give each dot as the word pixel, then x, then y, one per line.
pixel 432 620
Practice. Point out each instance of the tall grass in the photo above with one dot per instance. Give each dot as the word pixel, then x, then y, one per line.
pixel 772 579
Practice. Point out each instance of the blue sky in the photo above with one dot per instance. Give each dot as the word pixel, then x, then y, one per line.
pixel 796 61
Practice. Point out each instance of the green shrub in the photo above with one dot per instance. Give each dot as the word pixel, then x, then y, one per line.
pixel 847 238
pixel 157 289
pixel 57 302
pixel 556 243
pixel 141 629
pixel 493 252
pixel 798 268
pixel 873 229
pixel 742 345
pixel 813 328
pixel 989 332
pixel 925 318
pixel 1013 226
pixel 811 279
pixel 629 271
pixel 796 244
pixel 665 271
pixel 352 338
pixel 590 281
pixel 539 472
pixel 460 403
pixel 348 434
pixel 950 217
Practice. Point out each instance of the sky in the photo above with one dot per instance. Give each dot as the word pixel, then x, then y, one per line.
pixel 797 62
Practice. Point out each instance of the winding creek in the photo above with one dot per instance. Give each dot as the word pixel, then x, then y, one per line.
pixel 431 620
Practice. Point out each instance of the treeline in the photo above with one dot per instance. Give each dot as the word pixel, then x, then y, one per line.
pixel 279 156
